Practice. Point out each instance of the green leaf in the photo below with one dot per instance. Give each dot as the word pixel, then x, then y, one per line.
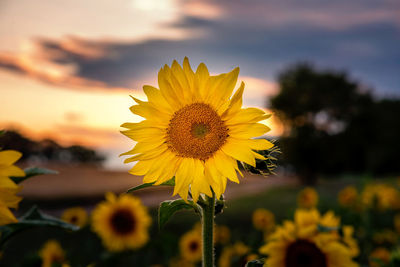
pixel 33 171
pixel 32 218
pixel 170 182
pixel 2 132
pixel 256 263
pixel 169 207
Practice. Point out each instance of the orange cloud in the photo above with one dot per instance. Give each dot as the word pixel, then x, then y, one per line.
pixel 48 62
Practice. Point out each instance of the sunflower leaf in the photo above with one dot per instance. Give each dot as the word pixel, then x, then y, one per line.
pixel 256 263
pixel 170 182
pixel 33 171
pixel 169 207
pixel 32 218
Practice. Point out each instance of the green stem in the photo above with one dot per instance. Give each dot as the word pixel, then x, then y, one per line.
pixel 207 221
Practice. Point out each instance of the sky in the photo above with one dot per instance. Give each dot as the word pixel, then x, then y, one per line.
pixel 67 68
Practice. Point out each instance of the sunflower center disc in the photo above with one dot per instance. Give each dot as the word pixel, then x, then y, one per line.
pixel 303 253
pixel 193 246
pixel 123 221
pixel 196 131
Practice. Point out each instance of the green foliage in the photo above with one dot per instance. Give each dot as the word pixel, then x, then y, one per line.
pixel 167 183
pixel 169 207
pixel 333 125
pixel 33 218
pixel 31 172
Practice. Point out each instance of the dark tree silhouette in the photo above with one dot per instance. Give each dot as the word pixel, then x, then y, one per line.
pixel 326 117
pixel 47 149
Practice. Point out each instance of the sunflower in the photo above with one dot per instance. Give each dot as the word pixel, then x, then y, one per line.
pixel 194 130
pixel 8 189
pixel 180 262
pixel 52 254
pixel 350 241
pixel 347 197
pixel 222 234
pixel 378 256
pixel 396 222
pixel 75 215
pixel 190 246
pixel 307 198
pixel 235 255
pixel 380 196
pixel 385 236
pixel 121 222
pixel 300 243
pixel 263 220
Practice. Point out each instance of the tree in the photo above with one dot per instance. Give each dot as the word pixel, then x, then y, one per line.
pixel 317 108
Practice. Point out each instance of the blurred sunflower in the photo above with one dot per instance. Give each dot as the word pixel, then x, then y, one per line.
pixel 222 234
pixel 396 222
pixel 380 196
pixel 121 222
pixel 180 262
pixel 235 255
pixel 8 189
pixel 385 236
pixel 300 243
pixel 307 198
pixel 263 220
pixel 350 241
pixel 190 246
pixel 194 130
pixel 378 256
pixel 347 197
pixel 75 215
pixel 52 254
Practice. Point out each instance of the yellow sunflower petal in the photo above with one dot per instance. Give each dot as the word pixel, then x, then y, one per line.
pixel 184 177
pixel 238 149
pixel 11 171
pixel 259 144
pixel 201 79
pixel 155 97
pixel 246 131
pixel 9 157
pixel 6 216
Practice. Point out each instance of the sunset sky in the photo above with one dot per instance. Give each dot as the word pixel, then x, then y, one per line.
pixel 67 68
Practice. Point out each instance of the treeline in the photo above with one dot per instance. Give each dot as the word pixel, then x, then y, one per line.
pixel 335 125
pixel 48 150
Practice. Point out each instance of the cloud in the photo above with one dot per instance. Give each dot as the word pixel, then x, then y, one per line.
pixel 263 37
pixel 332 15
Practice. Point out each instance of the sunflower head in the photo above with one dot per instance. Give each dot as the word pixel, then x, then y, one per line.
pixel 195 130
pixel 347 197
pixel 8 189
pixel 380 196
pixel 75 215
pixel 235 255
pixel 307 198
pixel 190 246
pixel 52 253
pixel 121 222
pixel 222 234
pixel 263 220
pixel 301 244
pixel 378 256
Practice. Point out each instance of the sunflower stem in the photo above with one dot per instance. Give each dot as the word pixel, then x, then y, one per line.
pixel 207 221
